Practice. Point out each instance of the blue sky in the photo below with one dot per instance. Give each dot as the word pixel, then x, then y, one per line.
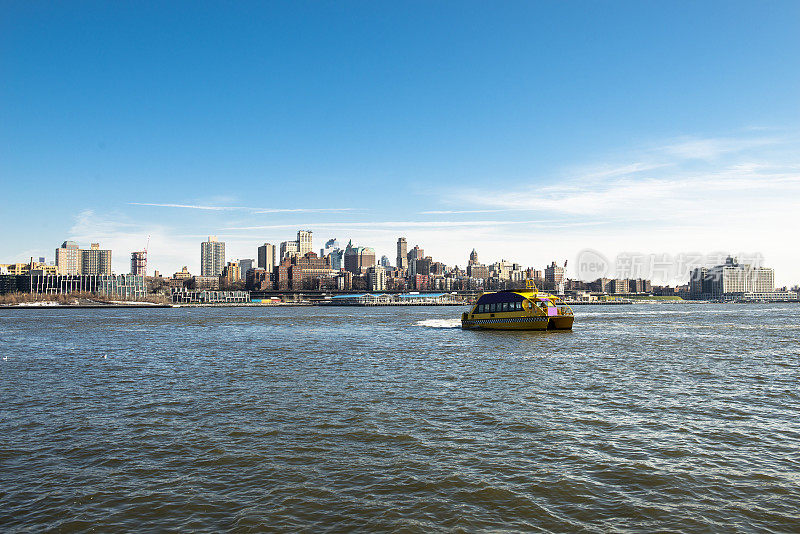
pixel 529 131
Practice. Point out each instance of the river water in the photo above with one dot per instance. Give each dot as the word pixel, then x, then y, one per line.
pixel 670 417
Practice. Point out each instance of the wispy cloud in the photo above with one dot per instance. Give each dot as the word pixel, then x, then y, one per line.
pixel 453 212
pixel 685 194
pixel 241 208
pixel 401 225
pixel 714 148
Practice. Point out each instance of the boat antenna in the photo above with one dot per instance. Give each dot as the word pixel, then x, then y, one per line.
pixel 530 284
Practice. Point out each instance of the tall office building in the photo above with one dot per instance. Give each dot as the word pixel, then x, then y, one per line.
pixel 304 242
pixel 473 257
pixel 244 266
pixel 139 263
pixel 266 257
pixel 95 261
pixel 289 249
pixel 358 259
pixel 231 272
pixel 402 253
pixel 68 258
pixel 415 253
pixel 337 259
pixel 212 257
pixel 330 246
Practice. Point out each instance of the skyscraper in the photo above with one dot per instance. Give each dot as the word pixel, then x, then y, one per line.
pixel 244 266
pixel 415 253
pixel 358 259
pixel 402 253
pixel 139 263
pixel 212 257
pixel 68 258
pixel 266 257
pixel 289 249
pixel 330 246
pixel 304 242
pixel 95 261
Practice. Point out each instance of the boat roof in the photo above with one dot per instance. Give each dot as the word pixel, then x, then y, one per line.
pixel 501 296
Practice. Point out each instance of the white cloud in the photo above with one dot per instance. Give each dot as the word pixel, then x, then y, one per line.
pixel 241 208
pixel 672 199
pixel 685 195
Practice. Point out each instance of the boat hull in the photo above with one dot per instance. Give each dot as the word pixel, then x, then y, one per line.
pixel 519 323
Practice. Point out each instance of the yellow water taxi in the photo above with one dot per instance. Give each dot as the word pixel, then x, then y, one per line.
pixel 518 310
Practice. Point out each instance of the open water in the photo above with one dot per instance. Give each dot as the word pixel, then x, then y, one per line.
pixel 668 417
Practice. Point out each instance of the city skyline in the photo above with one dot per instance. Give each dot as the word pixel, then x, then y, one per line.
pixel 457 127
pixel 683 269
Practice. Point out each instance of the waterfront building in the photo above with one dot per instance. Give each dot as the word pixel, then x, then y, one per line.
pixel 259 280
pixel 731 280
pixel 68 258
pixel 640 286
pixel 244 266
pixel 212 257
pixel 315 272
pixel 210 297
pixel 402 253
pixel 266 257
pixel 231 272
pixel 554 274
pixel 698 283
pixel 24 269
pixel 126 286
pixel 344 281
pixel 95 261
pixel 288 276
pixel 420 282
pixel 618 286
pixel 376 278
pixel 139 263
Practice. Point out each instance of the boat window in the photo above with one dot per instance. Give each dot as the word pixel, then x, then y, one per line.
pixel 506 306
pixel 493 307
pixel 518 305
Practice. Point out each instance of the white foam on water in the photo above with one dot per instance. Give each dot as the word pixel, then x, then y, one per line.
pixel 440 323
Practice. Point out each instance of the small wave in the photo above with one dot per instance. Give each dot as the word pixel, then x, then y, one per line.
pixel 440 323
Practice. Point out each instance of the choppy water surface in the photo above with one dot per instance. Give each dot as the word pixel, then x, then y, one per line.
pixel 680 417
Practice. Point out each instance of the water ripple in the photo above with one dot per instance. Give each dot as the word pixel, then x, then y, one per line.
pixel 669 418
